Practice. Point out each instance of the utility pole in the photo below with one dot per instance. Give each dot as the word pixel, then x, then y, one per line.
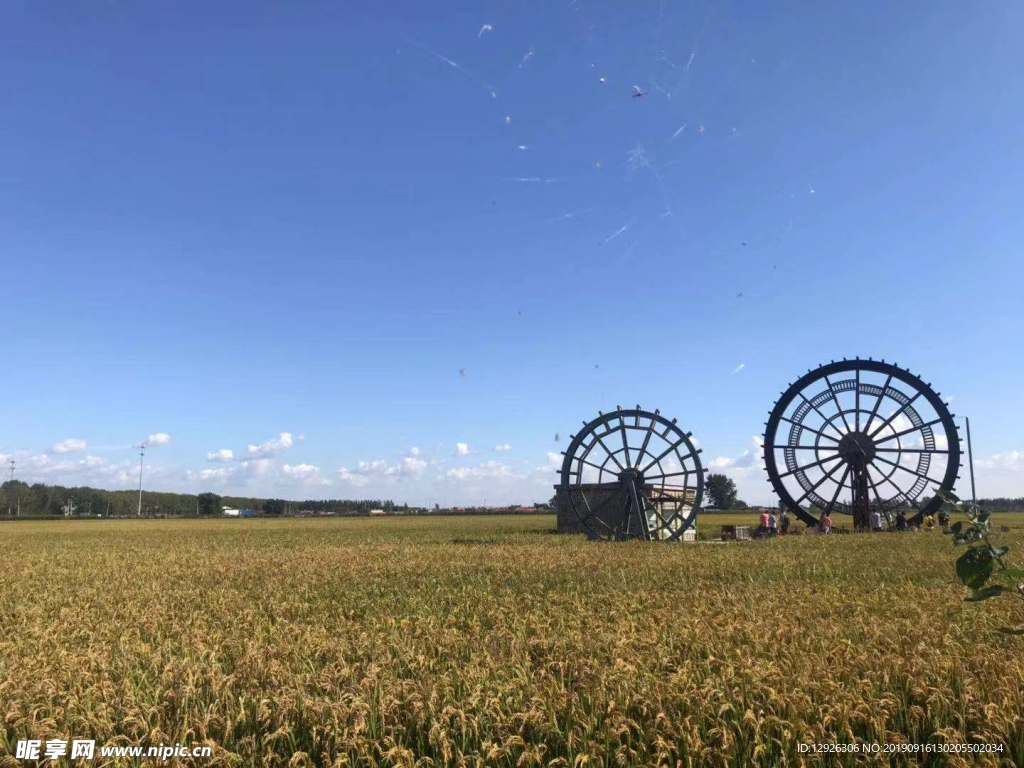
pixel 10 507
pixel 970 461
pixel 142 455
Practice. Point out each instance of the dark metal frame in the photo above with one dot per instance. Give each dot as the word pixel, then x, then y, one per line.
pixel 627 501
pixel 852 447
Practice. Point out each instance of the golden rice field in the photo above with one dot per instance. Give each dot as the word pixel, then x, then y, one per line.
pixel 492 641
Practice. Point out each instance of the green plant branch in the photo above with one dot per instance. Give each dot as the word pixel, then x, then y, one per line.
pixel 977 565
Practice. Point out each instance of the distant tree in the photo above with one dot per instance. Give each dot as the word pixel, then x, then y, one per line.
pixel 739 504
pixel 721 490
pixel 273 507
pixel 14 492
pixel 209 504
pixel 38 500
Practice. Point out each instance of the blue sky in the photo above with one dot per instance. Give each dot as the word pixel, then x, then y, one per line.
pixel 387 230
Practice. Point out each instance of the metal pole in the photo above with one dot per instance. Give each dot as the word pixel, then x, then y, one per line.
pixel 970 461
pixel 10 507
pixel 142 453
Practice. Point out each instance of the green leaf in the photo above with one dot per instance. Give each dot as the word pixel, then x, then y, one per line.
pixel 993 590
pixel 1013 573
pixel 965 538
pixel 974 567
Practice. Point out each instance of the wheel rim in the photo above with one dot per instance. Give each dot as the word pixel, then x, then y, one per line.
pixel 858 436
pixel 633 474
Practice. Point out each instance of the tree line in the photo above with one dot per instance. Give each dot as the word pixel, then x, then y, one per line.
pixel 41 500
pixel 721 494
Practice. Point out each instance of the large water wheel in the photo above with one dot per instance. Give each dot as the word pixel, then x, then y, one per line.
pixel 857 436
pixel 631 474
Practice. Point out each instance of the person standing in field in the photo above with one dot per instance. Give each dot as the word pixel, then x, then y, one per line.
pixel 876 521
pixel 901 521
pixel 772 525
pixel 825 523
pixel 783 522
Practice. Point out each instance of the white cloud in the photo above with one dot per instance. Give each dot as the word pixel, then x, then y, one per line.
pixel 220 473
pixel 411 465
pixel 271 447
pixel 301 470
pixel 414 451
pixel 351 477
pixel 307 473
pixel 543 473
pixel 222 454
pixel 749 458
pixel 158 438
pixel 70 445
pixel 997 474
pixel 88 470
pixel 503 448
pixel 413 476
pixel 901 423
pixel 257 467
pixel 747 470
pixel 462 449
pixel 242 473
pixel 1012 461
pixel 489 469
pixel 739 368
